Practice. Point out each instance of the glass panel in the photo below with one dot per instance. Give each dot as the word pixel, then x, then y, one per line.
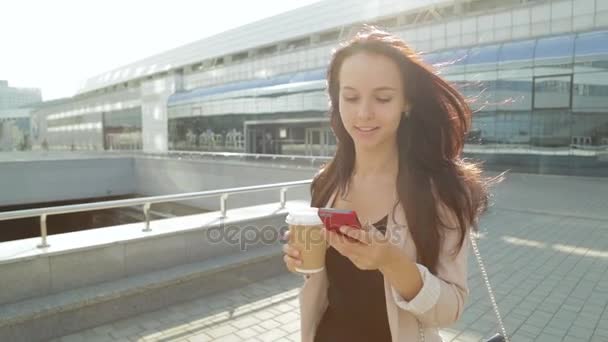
pixel 480 88
pixel 483 55
pixel 552 91
pixel 513 129
pixel 554 55
pixel 589 134
pixel 452 61
pixel 550 129
pixel 514 89
pixel 592 43
pixel 430 58
pixel 522 52
pixel 591 91
pixel 591 52
pixel 122 129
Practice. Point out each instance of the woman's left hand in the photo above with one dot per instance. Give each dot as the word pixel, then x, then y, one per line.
pixel 367 248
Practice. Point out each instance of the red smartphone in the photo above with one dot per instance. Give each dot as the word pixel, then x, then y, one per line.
pixel 333 219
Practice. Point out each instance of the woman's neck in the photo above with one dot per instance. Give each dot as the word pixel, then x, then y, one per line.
pixel 374 163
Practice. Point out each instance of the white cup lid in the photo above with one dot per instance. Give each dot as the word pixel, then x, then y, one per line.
pixel 304 216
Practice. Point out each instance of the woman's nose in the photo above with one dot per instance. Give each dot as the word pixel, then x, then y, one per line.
pixel 365 111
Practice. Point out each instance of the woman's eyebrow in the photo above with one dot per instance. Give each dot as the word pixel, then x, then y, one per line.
pixel 384 88
pixel 375 89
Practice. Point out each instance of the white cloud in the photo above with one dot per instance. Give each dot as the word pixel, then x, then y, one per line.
pixel 54 45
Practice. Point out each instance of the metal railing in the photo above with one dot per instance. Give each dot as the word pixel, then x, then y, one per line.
pixel 147 202
pixel 246 156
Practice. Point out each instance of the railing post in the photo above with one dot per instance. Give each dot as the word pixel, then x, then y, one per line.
pixel 223 199
pixel 43 232
pixel 147 217
pixel 283 197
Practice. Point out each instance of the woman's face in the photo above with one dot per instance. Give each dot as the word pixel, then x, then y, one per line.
pixel 371 99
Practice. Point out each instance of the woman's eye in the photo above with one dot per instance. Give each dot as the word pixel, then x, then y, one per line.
pixel 384 100
pixel 350 99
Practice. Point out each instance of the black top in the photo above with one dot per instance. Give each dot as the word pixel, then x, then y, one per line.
pixel 357 306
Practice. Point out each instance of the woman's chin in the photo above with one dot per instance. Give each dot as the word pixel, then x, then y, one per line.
pixel 367 144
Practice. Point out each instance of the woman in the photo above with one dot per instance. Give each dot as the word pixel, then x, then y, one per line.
pixel 400 131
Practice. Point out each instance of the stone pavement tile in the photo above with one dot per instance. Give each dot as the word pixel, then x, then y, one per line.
pixel 271 335
pixel 287 317
pixel 244 322
pixel 283 307
pixel 530 330
pixel 259 329
pixel 547 338
pixel 263 315
pixel 269 324
pixel 582 333
pixel 200 337
pixel 291 327
pixel 229 338
pixel 247 333
pixel 521 338
pixel 295 337
pixel 220 331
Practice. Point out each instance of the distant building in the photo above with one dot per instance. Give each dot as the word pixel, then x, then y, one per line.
pixel 15 116
pixel 12 97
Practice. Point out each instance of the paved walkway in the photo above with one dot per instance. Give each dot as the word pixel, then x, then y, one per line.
pixel 547 260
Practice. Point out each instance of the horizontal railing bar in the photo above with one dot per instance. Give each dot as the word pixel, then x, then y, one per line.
pixel 66 209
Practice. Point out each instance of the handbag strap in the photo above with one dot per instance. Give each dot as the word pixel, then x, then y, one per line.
pixel 421 337
pixel 487 282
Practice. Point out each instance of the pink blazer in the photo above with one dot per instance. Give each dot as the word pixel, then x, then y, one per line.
pixel 439 303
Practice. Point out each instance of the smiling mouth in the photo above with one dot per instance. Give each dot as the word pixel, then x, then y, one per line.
pixel 366 129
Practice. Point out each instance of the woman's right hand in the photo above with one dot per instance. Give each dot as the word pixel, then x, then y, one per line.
pixel 292 255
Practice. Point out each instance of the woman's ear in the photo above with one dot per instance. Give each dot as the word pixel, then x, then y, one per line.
pixel 406 111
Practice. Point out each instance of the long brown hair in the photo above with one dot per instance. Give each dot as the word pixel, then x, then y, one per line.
pixel 430 142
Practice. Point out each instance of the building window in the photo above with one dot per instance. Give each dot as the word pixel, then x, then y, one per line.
pixel 269 50
pixel 553 92
pixel 329 36
pixel 298 43
pixel 240 56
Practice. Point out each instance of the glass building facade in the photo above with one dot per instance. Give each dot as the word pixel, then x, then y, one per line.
pixel 537 103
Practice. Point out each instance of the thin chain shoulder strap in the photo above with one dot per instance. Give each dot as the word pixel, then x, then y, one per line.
pixel 487 282
pixel 490 292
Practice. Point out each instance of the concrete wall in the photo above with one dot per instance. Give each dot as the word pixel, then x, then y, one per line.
pixel 155 176
pixel 38 181
pixel 49 180
pixel 84 258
